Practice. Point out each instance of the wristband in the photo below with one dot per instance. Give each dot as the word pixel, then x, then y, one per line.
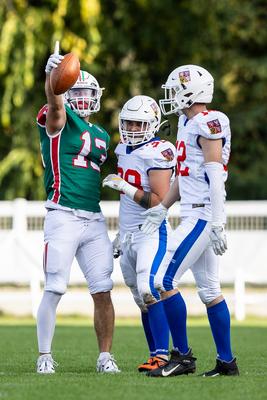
pixel 129 190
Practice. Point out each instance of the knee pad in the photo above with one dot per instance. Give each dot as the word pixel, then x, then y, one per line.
pixel 105 285
pixel 54 283
pixel 207 295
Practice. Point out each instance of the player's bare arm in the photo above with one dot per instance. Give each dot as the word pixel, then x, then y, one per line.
pixel 212 149
pixel 56 114
pixel 159 181
pixel 172 195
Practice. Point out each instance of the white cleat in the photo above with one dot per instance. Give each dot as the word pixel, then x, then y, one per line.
pixel 45 364
pixel 107 365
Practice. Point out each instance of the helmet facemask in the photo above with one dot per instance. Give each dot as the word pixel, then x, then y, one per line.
pixel 135 132
pixel 168 105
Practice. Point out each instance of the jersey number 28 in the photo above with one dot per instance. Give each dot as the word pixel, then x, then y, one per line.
pixel 131 176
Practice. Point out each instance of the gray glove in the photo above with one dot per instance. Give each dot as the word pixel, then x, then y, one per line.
pixel 218 239
pixel 154 218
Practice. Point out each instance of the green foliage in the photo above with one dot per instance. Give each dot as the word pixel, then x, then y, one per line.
pixel 131 47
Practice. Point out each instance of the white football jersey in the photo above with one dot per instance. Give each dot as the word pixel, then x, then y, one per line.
pixel 134 166
pixel 193 180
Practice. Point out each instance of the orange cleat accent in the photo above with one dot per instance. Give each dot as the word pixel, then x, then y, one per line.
pixel 152 363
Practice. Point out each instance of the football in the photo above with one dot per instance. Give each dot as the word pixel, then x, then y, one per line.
pixel 66 74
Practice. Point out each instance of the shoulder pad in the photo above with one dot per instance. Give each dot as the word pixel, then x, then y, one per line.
pixel 160 149
pixel 212 124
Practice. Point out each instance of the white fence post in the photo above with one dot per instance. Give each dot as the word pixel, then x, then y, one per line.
pixel 20 233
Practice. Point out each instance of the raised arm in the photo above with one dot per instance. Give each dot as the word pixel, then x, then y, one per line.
pixel 56 114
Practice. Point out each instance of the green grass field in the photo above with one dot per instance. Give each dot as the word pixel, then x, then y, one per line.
pixel 75 351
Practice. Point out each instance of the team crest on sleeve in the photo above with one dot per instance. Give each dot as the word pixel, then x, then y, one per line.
pixel 184 76
pixel 214 126
pixel 168 154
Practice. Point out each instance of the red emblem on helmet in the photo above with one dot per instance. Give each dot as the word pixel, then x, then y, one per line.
pixel 184 76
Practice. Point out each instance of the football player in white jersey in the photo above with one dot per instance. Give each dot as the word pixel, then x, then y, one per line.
pixel 203 149
pixel 145 168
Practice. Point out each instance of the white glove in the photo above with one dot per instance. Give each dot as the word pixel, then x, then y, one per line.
pixel 116 182
pixel 154 218
pixel 53 62
pixel 117 246
pixel 218 239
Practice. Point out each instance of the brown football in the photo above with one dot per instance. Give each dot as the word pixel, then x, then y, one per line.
pixel 66 74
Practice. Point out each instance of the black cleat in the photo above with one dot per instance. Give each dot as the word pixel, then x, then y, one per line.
pixel 223 368
pixel 178 364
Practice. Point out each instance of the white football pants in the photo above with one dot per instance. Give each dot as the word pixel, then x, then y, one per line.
pixel 67 236
pixel 190 247
pixel 141 258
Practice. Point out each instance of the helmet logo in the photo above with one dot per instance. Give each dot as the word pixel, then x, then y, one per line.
pixel 154 108
pixel 184 76
pixel 214 126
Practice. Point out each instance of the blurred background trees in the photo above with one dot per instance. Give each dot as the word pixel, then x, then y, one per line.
pixel 131 47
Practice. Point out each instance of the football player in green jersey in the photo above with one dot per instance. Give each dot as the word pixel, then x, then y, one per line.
pixel 73 150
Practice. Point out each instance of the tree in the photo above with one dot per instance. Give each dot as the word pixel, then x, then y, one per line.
pixel 27 36
pixel 131 47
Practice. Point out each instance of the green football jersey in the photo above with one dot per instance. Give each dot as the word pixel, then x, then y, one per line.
pixel 72 161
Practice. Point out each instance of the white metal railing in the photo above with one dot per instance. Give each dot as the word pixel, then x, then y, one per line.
pixel 21 244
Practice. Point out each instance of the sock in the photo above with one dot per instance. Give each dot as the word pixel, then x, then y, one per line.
pixel 104 355
pixel 219 319
pixel 176 314
pixel 46 320
pixel 159 327
pixel 148 333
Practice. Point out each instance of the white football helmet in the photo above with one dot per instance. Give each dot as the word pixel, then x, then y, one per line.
pixel 185 86
pixel 84 96
pixel 139 120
